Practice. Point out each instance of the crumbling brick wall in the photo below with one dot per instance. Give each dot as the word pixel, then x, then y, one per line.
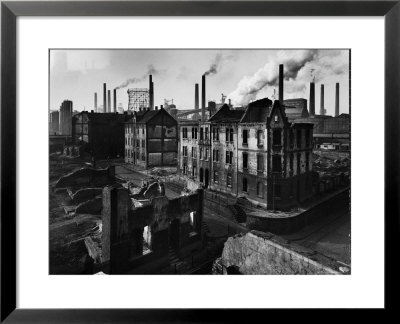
pixel 123 248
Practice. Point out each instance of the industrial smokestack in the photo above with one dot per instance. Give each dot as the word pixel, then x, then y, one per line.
pixel 312 99
pixel 115 100
pixel 281 83
pixel 95 101
pixel 337 100
pixel 196 96
pixel 109 101
pixel 322 107
pixel 203 97
pixel 151 92
pixel 104 98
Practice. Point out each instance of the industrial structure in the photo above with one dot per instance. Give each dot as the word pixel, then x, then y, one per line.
pixel 54 122
pixel 66 117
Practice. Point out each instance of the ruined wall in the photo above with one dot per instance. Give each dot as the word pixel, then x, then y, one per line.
pixel 263 253
pixel 87 177
pixel 167 225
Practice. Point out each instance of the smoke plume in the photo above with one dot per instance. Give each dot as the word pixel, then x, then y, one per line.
pixel 150 70
pixel 217 63
pixel 268 75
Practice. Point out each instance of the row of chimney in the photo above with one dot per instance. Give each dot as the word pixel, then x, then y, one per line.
pixel 322 110
pixel 107 100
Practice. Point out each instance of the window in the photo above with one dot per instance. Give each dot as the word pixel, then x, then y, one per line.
pixel 137 143
pixel 194 152
pixel 244 185
pixel 260 163
pixel 206 133
pixel 259 189
pixel 276 139
pixel 245 160
pixel 215 155
pixel 215 134
pixel 229 180
pixel 231 135
pixel 143 131
pixel 184 168
pixel 194 132
pixel 260 138
pixel 245 136
pixel 229 157
pixel 201 133
pixel 146 240
pixel 291 138
pixel 143 143
pixel 192 221
pixel 298 162
pixel 227 134
pixel 184 150
pixel 291 162
pixel 276 118
pixel 307 137
pixel 276 163
pixel 194 171
pixel 299 138
pixel 184 132
pixel 201 153
pixel 206 155
pixel 216 176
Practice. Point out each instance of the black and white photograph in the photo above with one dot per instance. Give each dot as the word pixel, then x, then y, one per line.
pixel 199 161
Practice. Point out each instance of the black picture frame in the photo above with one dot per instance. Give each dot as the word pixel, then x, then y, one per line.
pixel 10 10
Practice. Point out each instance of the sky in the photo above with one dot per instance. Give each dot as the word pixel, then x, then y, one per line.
pixel 241 75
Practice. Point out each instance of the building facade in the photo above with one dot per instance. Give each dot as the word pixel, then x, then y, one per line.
pixel 254 153
pixel 100 134
pixel 54 123
pixel 151 139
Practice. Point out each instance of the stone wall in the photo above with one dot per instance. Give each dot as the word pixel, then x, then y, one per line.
pixel 264 253
pixel 87 177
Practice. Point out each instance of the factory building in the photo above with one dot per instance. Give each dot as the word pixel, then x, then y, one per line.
pixel 66 118
pixel 151 138
pixel 54 122
pixel 100 134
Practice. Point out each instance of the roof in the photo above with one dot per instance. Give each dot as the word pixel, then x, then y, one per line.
pixel 227 115
pixel 104 117
pixel 257 111
pixel 293 113
pixel 144 116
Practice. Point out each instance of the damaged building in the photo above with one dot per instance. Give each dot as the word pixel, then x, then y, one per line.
pixel 254 153
pixel 151 138
pixel 99 134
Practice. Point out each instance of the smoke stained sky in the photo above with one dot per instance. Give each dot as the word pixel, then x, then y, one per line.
pixel 243 75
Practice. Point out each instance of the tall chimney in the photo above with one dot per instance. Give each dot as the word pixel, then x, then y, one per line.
pixel 337 100
pixel 203 97
pixel 104 98
pixel 109 101
pixel 95 101
pixel 312 99
pixel 115 100
pixel 322 106
pixel 196 96
pixel 151 92
pixel 281 83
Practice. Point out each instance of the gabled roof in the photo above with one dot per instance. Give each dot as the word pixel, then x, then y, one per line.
pixel 277 106
pixel 104 117
pixel 144 116
pixel 257 111
pixel 226 114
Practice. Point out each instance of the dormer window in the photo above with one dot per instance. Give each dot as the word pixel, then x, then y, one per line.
pixel 276 118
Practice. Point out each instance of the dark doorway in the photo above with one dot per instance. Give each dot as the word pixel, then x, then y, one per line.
pixel 174 234
pixel 201 175
pixel 206 177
